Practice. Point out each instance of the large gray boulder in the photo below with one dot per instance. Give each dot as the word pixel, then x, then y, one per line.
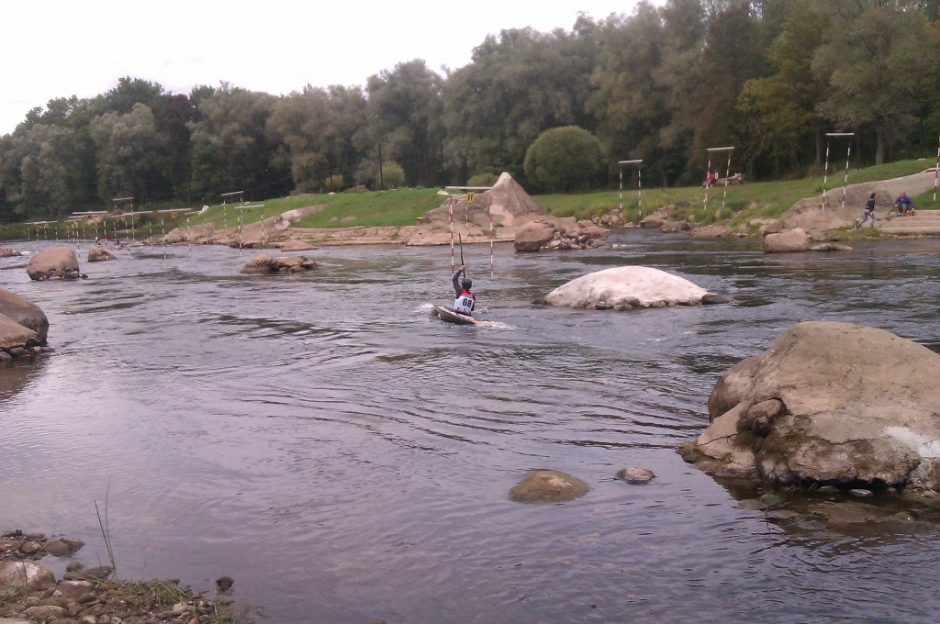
pixel 24 312
pixel 534 235
pixel 628 287
pixel 830 403
pixel 56 262
pixel 14 336
pixel 786 242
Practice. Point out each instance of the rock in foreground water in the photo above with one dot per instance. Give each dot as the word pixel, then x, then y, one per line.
pixel 829 403
pixel 628 287
pixel 548 486
pixel 24 312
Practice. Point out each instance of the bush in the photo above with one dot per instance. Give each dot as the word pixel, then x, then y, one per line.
pixel 564 159
pixel 333 183
pixel 483 179
pixel 392 174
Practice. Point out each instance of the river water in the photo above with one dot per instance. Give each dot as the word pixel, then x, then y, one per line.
pixel 345 456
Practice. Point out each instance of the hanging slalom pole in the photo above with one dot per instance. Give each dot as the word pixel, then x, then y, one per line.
pixel 708 181
pixel 708 174
pixel 638 163
pixel 724 193
pixel 829 136
pixel 845 178
pixel 936 172
pixel 492 235
pixel 450 219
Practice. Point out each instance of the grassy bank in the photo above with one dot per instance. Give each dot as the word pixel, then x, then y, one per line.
pixel 375 209
pixel 744 202
pixel 405 206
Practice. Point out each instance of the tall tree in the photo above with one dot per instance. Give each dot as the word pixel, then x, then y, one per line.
pixel 130 154
pixel 879 65
pixel 232 149
pixel 733 54
pixel 405 107
pixel 779 113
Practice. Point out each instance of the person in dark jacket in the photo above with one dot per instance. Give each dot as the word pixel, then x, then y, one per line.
pixel 465 299
pixel 869 212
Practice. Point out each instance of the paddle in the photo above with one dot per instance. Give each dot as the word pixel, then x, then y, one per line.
pixel 460 240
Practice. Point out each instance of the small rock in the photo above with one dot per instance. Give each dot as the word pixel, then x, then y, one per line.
pixel 548 486
pixel 636 476
pixel 62 547
pixel 224 583
pixel 861 492
pixel 768 501
pixel 73 566
pixel 30 548
pixel 46 612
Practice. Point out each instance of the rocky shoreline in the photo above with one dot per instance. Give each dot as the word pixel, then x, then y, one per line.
pixel 30 592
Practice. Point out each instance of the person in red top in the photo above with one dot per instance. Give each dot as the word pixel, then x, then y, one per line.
pixel 466 299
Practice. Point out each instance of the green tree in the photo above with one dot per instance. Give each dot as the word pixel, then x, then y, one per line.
pixel 879 65
pixel 405 108
pixel 130 154
pixel 733 54
pixel 779 114
pixel 564 159
pixel 518 84
pixel 232 149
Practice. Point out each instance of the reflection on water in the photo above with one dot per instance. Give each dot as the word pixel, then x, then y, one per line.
pixel 345 456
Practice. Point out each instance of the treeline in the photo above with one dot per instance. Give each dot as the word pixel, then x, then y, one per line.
pixel 769 77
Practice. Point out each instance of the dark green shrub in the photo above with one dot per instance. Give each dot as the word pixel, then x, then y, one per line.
pixel 564 159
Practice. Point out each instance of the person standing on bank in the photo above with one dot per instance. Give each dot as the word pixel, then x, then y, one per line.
pixel 466 299
pixel 869 212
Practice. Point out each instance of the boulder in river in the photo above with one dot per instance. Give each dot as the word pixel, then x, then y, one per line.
pixel 788 241
pixel 24 312
pixel 97 253
pixel 628 287
pixel 14 338
pixel 548 486
pixel 534 235
pixel 830 403
pixel 8 252
pixel 56 262
pixel 265 264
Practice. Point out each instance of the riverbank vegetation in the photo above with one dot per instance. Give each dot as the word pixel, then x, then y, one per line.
pixel 662 84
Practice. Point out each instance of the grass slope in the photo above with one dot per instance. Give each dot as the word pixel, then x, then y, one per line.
pixel 744 202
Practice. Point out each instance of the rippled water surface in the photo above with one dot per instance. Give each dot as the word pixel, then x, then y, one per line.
pixel 345 456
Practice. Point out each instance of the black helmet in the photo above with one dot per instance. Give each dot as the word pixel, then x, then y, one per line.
pixel 467 283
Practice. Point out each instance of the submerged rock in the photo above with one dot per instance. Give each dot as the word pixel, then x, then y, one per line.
pixel 636 476
pixel 628 287
pixel 548 486
pixel 97 253
pixel 264 264
pixel 828 403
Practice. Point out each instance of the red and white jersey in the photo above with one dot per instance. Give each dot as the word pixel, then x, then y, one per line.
pixel 464 303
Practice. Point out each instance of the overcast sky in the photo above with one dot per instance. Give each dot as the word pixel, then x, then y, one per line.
pixel 59 48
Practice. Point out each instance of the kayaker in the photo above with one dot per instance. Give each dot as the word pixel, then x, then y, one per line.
pixel 465 298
